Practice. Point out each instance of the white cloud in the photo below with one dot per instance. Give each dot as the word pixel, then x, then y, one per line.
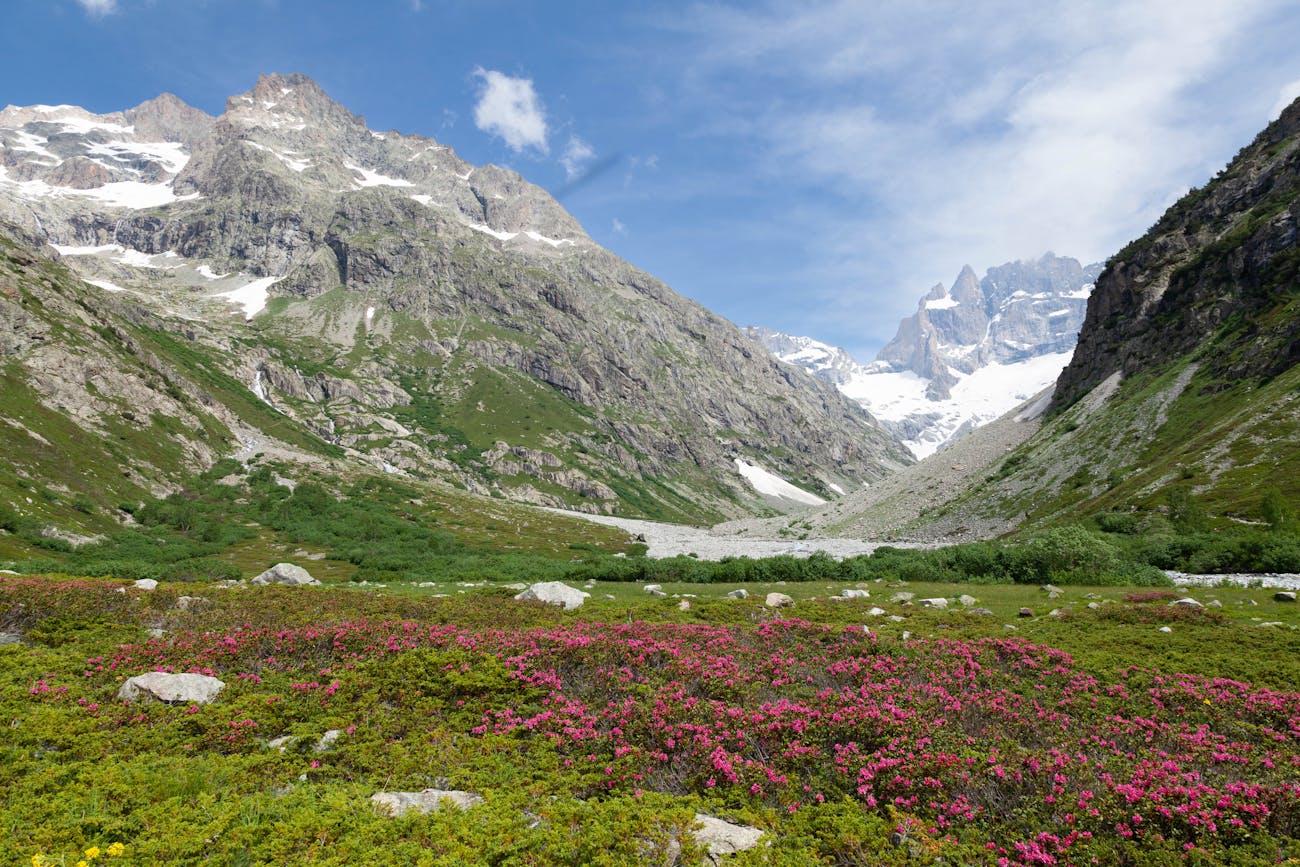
pixel 99 7
pixel 509 108
pixel 1287 95
pixel 618 227
pixel 577 153
pixel 975 133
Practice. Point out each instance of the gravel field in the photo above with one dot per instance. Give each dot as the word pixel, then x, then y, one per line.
pixel 1276 580
pixel 671 540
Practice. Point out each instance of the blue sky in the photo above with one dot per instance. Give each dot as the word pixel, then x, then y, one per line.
pixel 810 165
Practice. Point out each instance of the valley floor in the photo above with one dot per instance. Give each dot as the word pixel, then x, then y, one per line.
pixel 764 540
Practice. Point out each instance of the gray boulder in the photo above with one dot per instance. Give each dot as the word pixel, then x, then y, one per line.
pixel 287 574
pixel 1186 602
pixel 738 593
pixel 778 600
pixel 855 594
pixel 428 801
pixel 145 584
pixel 10 638
pixel 1284 596
pixel 721 838
pixel 554 593
pixel 937 602
pixel 902 596
pixel 967 600
pixel 171 688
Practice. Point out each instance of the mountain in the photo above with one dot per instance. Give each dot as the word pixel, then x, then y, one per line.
pixel 1181 402
pixel 371 296
pixel 969 354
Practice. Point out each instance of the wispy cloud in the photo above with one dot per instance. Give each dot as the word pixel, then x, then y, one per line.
pixel 577 154
pixel 98 8
pixel 1287 95
pixel 971 132
pixel 509 108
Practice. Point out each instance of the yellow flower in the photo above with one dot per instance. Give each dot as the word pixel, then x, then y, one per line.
pixel 83 864
pixel 92 853
pixel 37 860
pixel 116 849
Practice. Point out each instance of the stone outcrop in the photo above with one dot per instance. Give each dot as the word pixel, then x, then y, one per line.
pixel 554 593
pixel 171 688
pixel 286 574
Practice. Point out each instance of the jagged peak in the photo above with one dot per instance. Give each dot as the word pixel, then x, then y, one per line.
pixel 295 101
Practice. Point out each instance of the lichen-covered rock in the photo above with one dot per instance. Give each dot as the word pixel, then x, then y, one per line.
pixel 720 837
pixel 171 688
pixel 427 801
pixel 554 593
pixel 287 574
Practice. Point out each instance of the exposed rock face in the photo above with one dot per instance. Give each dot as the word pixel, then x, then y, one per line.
pixel 1222 254
pixel 459 302
pixel 171 688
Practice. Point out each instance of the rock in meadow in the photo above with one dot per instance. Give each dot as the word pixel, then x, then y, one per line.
pixel 967 600
pixel 1186 602
pixel 145 584
pixel 171 688
pixel 778 600
pixel 855 594
pixel 936 602
pixel 684 605
pixel 287 574
pixel 653 588
pixel 720 837
pixel 554 593
pixel 1025 612
pixel 739 593
pixel 875 611
pixel 10 638
pixel 428 801
pixel 1284 596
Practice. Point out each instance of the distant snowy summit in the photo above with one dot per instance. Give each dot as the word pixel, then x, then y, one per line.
pixel 969 354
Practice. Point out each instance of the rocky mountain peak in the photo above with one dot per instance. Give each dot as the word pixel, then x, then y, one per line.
pixel 167 118
pixel 969 353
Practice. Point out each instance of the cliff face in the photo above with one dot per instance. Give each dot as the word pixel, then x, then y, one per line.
pixel 1210 270
pixel 436 318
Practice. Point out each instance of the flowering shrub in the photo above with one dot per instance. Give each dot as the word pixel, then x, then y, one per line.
pixel 854 748
pixel 993 739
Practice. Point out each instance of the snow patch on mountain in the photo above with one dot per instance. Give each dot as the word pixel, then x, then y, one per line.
pixel 771 485
pixel 967 356
pixel 251 296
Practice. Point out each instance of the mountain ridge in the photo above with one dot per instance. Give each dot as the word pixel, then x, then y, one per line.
pixel 439 318
pixel 970 353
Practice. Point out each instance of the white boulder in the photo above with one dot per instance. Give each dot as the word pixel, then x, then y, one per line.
pixel 171 688
pixel 778 600
pixel 287 574
pixel 554 593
